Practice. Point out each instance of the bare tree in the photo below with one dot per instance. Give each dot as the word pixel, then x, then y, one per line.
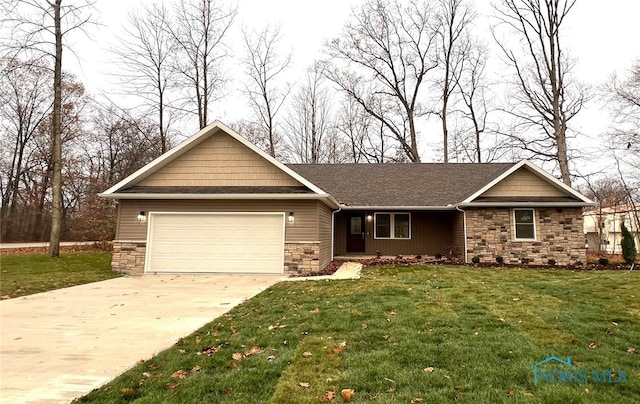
pixel 309 119
pixel 455 17
pixel 199 28
pixel 382 60
pixel 623 99
pixel 39 27
pixel 145 56
pixel 25 104
pixel 546 98
pixel 263 65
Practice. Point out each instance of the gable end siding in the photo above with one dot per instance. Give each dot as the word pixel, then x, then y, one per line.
pixel 523 183
pixel 219 160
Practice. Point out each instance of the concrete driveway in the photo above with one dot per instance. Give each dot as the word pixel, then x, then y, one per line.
pixel 62 344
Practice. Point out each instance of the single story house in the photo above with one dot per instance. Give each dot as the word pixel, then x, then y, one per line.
pixel 216 203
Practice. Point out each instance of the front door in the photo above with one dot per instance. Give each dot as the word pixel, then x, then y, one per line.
pixel 355 233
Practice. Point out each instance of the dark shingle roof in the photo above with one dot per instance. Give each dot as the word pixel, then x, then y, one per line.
pixel 416 185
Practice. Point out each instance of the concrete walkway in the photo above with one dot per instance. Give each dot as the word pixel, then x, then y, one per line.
pixel 62 344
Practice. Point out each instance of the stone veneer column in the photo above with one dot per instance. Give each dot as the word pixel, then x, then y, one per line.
pixel 301 257
pixel 559 235
pixel 128 257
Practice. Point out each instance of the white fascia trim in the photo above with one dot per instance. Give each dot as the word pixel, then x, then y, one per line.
pixel 396 208
pixel 553 180
pixel 328 198
pixel 527 204
pixel 168 156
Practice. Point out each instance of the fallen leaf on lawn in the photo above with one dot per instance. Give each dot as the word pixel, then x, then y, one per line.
pixel 416 400
pixel 146 374
pixel 391 313
pixel 140 362
pixel 586 390
pixel 527 394
pixel 196 368
pixel 510 392
pixel 180 374
pixel 307 354
pixel 516 299
pixel 430 369
pixel 234 364
pixel 128 391
pixel 330 355
pixel 328 396
pixel 236 356
pixel 182 351
pixel 198 339
pixel 364 326
pixel 233 330
pixel 172 385
pixel 271 358
pixel 347 394
pixel 316 310
pixel 153 366
pixel 502 319
pixel 158 376
pixel 389 380
pixel 255 350
pixel 631 350
pixel 304 385
pixel 476 333
pixel 592 345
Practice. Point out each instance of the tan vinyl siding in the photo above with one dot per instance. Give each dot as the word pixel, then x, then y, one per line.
pixel 219 160
pixel 304 227
pixel 431 232
pixel 324 233
pixel 524 183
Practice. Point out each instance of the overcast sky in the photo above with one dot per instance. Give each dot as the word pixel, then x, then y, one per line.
pixel 602 36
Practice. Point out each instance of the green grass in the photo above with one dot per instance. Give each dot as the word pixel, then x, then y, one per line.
pixel 22 275
pixel 480 330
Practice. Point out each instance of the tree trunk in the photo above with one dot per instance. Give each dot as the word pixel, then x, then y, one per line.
pixel 56 149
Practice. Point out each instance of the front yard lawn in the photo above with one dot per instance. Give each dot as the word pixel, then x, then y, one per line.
pixel 22 275
pixel 409 334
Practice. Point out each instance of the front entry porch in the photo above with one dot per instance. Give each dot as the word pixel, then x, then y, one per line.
pixel 370 233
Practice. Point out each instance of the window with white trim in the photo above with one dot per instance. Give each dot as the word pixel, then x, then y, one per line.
pixel 392 225
pixel 524 224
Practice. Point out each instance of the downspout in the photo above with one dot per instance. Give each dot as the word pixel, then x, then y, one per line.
pixel 464 225
pixel 333 229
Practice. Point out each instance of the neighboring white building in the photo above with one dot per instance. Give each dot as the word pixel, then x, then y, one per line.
pixel 602 226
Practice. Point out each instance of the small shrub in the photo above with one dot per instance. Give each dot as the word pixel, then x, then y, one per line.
pixel 578 263
pixel 475 259
pixel 452 253
pixel 438 256
pixel 551 261
pixel 379 253
pixel 628 245
pixel 603 261
pixel 499 259
pixel 525 260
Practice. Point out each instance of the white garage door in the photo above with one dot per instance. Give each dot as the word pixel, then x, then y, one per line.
pixel 215 242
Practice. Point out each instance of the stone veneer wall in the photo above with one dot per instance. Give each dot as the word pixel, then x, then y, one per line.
pixel 128 257
pixel 559 236
pixel 301 257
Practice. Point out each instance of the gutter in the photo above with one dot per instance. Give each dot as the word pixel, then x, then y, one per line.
pixel 527 204
pixel 464 224
pixel 387 208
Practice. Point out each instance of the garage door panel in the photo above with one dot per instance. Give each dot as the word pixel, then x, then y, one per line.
pixel 225 242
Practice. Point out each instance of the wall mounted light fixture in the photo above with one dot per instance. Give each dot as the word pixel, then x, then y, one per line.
pixel 291 218
pixel 142 217
pixel 369 217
